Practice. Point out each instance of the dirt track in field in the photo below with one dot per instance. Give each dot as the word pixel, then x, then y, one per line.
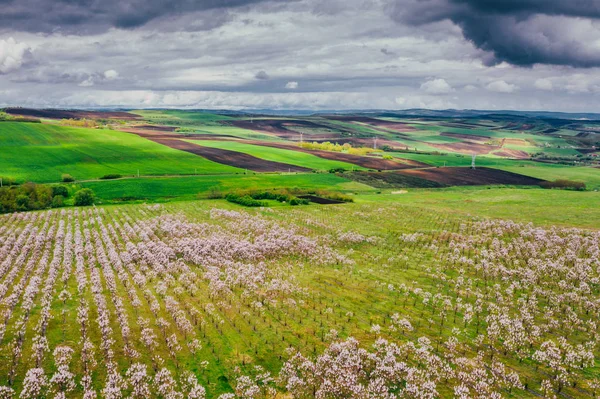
pixel 71 114
pixel 226 157
pixel 471 177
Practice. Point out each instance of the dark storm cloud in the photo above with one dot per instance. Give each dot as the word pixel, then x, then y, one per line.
pixel 262 75
pixel 521 32
pixel 93 16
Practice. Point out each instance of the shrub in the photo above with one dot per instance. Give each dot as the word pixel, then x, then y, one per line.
pixel 214 193
pixel 84 197
pixel 22 202
pixel 58 201
pixel 564 184
pixel 299 201
pixel 67 178
pixel 111 176
pixel 60 190
pixel 335 196
pixel 337 170
pixel 269 195
pixel 245 200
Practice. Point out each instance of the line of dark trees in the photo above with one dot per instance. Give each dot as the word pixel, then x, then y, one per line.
pixel 31 196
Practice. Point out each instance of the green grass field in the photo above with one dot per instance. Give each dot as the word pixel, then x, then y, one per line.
pixel 165 188
pixel 537 205
pixel 589 175
pixel 279 155
pixel 42 153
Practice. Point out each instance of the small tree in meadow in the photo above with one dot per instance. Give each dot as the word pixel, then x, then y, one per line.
pixel 84 197
pixel 67 178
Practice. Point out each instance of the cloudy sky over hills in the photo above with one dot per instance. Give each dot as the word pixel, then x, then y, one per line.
pixel 302 54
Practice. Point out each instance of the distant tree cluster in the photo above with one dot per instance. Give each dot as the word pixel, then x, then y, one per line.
pixel 89 123
pixel 328 146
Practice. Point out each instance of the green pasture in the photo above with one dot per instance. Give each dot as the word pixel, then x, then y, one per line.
pixel 537 205
pixel 187 187
pixel 42 153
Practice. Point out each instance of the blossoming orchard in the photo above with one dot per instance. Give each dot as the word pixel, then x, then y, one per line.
pixel 204 300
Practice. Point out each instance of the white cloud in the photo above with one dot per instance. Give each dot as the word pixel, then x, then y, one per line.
pixel 87 83
pixel 543 84
pixel 111 74
pixel 500 86
pixel 291 85
pixel 437 86
pixel 12 54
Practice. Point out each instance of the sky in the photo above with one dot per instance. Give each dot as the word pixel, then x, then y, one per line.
pixel 301 54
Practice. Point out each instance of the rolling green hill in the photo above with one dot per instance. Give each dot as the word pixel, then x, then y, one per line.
pixel 42 153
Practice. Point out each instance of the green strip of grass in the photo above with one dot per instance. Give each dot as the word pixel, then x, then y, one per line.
pixel 278 155
pixel 190 187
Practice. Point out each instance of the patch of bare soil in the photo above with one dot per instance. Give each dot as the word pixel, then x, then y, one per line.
pixel 516 142
pixel 471 177
pixel 516 154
